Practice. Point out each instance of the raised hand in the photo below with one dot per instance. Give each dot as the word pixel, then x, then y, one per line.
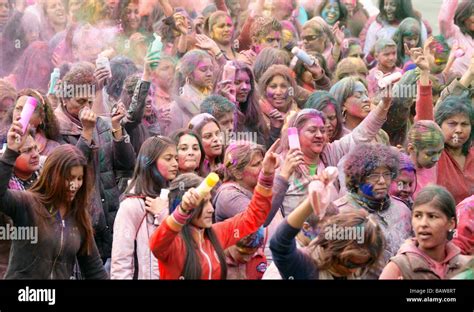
pixel 206 43
pixel 101 75
pixel 293 159
pixel 276 119
pixel 270 161
pixel 227 89
pixel 338 33
pixel 118 115
pixel 190 201
pixel 418 57
pixel 15 136
pixel 316 70
pixel 181 23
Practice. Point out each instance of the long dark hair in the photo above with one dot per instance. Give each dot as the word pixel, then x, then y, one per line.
pixel 404 10
pixel 463 12
pixel 176 136
pixel 50 190
pixel 250 114
pixel 320 100
pixel 192 267
pixel 146 179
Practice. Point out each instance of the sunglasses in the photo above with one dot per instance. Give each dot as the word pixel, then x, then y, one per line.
pixel 311 37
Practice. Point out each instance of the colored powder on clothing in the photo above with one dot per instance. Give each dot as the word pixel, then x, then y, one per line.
pixel 367 189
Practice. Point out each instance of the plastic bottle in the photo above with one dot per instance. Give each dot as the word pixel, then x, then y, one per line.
pixel 27 111
pixel 163 195
pixel 387 80
pixel 103 62
pixel 206 186
pixel 54 79
pixel 293 138
pixel 229 72
pixel 302 55
pixel 319 194
pixel 156 46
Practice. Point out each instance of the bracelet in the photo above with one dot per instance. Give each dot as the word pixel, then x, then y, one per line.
pixel 116 130
pixel 218 55
pixel 180 217
pixel 264 180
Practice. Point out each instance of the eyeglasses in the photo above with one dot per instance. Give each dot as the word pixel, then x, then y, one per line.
pixel 375 177
pixel 311 37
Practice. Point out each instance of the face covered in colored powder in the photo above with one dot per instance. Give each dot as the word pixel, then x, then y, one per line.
pixel 429 156
pixel 313 40
pixel 456 130
pixel 278 93
pixel 251 171
pixel 376 184
pixel 28 162
pixel 272 40
pixel 358 104
pixel 222 30
pixel 202 77
pixel 404 185
pixel 313 137
pixel 350 4
pixel 387 58
pixel 167 163
pixel 330 12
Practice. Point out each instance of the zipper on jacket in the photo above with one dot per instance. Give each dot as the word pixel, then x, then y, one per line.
pixel 63 226
pixel 205 255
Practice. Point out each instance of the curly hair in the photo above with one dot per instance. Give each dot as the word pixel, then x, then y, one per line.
pixel 365 159
pixel 80 74
pixel 50 124
pixel 338 251
pixel 262 26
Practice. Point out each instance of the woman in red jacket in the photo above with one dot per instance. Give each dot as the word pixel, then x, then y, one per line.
pixel 188 246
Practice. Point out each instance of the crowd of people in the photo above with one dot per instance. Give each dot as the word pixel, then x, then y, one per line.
pixel 341 132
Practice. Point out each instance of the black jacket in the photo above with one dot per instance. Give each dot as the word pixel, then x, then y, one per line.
pixel 57 245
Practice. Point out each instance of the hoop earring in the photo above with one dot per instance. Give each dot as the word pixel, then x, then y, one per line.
pixel 450 234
